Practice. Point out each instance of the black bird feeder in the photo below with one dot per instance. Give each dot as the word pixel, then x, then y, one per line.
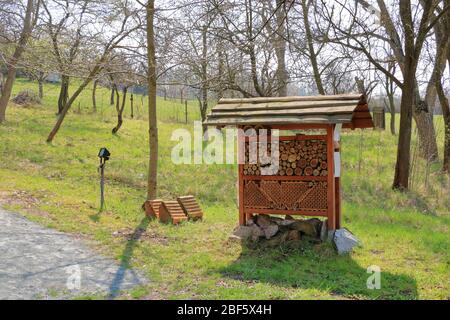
pixel 104 155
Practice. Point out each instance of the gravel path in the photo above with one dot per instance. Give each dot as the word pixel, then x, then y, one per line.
pixel 40 263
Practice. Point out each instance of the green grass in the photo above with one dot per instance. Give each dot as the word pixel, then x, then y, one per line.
pixel 405 234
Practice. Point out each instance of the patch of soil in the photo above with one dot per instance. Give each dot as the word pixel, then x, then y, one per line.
pixel 141 235
pixel 24 200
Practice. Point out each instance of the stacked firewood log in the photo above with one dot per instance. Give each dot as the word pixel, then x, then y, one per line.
pixel 296 158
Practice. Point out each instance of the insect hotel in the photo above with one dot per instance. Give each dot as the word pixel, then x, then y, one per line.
pixel 307 179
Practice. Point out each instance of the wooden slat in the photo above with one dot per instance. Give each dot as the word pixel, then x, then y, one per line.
pixel 290 138
pixel 171 211
pixel 151 208
pixel 358 97
pixel 191 208
pixel 285 178
pixel 306 212
pixel 274 120
pixel 347 109
pixel 299 126
pixel 272 106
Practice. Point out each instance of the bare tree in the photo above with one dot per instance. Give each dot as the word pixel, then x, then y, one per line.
pixel 126 22
pixel 67 41
pixel 443 45
pixel 252 46
pixel 406 42
pixel 311 52
pixel 152 119
pixel 28 21
pixel 389 88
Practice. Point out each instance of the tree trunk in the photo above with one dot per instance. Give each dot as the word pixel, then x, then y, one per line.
pixel 392 112
pixel 12 63
pixel 443 99
pixel 412 47
pixel 132 105
pixel 390 91
pixel 94 97
pixel 312 54
pixel 445 105
pixel 204 88
pixel 63 93
pixel 111 101
pixel 401 177
pixel 446 115
pixel 220 70
pixel 427 135
pixel 41 88
pixel 69 103
pixel 120 110
pixel 280 49
pixel 446 164
pixel 6 92
pixel 152 120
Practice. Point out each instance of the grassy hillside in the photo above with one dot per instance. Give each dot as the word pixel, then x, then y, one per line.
pixel 406 235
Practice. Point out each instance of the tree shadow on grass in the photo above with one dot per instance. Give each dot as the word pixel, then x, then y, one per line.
pixel 316 267
pixel 125 262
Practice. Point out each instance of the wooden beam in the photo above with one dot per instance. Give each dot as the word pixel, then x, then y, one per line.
pixel 358 97
pixel 331 194
pixel 290 138
pixel 285 178
pixel 242 216
pixel 306 212
pixel 299 126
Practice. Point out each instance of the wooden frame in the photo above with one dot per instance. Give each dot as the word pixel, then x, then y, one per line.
pixel 333 211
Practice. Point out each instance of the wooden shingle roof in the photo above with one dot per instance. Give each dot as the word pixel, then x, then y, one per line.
pixel 351 110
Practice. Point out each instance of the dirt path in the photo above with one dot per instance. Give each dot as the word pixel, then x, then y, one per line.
pixel 40 263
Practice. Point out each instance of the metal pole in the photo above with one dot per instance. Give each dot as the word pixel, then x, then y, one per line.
pixel 102 185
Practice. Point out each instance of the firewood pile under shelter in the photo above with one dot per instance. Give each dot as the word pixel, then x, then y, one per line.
pixel 307 180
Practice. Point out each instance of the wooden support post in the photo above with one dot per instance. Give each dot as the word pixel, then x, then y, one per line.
pixel 338 202
pixel 242 215
pixel 331 203
pixel 338 196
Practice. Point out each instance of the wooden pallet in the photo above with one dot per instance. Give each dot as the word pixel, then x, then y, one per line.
pixel 151 208
pixel 190 207
pixel 171 212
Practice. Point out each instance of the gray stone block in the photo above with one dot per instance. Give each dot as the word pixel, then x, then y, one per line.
pixel 243 232
pixel 344 241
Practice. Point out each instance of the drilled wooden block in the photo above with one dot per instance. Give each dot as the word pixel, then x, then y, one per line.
pixel 151 208
pixel 191 208
pixel 171 212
